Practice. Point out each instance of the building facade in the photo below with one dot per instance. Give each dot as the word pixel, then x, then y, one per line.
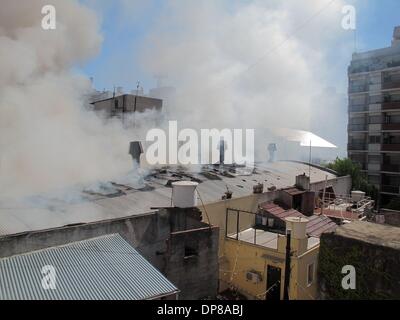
pixel 127 103
pixel 257 265
pixel 374 117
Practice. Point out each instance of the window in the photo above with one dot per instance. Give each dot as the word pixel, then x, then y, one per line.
pixel 310 274
pixel 375 119
pixel 374 159
pixel 191 249
pixel 374 139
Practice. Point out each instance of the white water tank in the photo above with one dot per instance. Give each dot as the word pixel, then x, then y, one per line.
pixel 298 226
pixel 184 194
pixel 357 196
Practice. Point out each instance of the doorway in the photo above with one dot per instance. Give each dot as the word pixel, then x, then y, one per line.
pixel 273 283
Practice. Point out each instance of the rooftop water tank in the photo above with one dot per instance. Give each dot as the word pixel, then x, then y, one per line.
pixel 298 226
pixel 184 194
pixel 357 196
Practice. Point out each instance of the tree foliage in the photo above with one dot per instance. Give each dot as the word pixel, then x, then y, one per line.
pixel 345 167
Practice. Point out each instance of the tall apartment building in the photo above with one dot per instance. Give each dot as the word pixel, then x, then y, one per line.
pixel 374 116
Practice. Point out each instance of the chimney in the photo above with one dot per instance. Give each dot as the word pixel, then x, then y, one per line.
pixel 303 182
pixel 272 150
pixel 135 150
pixel 222 148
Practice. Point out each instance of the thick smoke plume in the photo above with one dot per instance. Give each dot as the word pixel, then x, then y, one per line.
pixel 253 64
pixel 47 139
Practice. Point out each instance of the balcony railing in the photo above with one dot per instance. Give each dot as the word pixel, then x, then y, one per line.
pixel 391 84
pixel 391 167
pixel 391 105
pixel 357 146
pixel 390 189
pixel 357 127
pixel 373 67
pixel 359 69
pixel 390 147
pixel 359 88
pixel 358 108
pixel 391 126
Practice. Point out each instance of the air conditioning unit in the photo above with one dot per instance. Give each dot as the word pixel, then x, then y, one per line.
pixel 254 277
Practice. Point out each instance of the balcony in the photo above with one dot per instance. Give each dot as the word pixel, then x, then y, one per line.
pixel 391 126
pixel 359 69
pixel 391 105
pixel 359 88
pixel 357 127
pixel 391 167
pixel 390 189
pixel 390 147
pixel 358 108
pixel 357 147
pixel 391 84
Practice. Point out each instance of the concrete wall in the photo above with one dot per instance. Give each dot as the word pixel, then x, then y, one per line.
pixel 195 274
pixel 376 267
pixel 216 213
pixel 392 217
pixel 341 185
pixel 153 235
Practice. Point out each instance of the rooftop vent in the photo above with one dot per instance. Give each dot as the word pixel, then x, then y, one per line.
pixel 272 148
pixel 222 148
pixel 135 150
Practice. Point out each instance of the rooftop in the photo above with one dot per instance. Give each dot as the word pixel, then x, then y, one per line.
pixel 124 95
pixel 123 200
pixel 104 268
pixel 316 225
pixel 266 239
pixel 377 234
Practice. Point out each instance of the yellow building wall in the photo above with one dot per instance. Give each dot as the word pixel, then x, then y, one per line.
pixel 215 213
pixel 241 257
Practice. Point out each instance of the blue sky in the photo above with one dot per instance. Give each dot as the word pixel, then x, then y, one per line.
pixel 123 31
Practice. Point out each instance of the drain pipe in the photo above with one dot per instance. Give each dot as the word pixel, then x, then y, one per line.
pixel 287 266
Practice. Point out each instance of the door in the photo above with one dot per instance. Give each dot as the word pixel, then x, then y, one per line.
pixel 273 283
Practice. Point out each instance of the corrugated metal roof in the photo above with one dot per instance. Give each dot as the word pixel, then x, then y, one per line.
pixel 279 174
pixel 293 191
pixel 104 268
pixel 316 225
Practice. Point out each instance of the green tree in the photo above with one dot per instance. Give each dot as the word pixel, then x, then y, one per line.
pixel 346 167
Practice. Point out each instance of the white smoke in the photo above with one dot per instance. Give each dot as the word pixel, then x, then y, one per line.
pixel 251 64
pixel 235 64
pixel 47 139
